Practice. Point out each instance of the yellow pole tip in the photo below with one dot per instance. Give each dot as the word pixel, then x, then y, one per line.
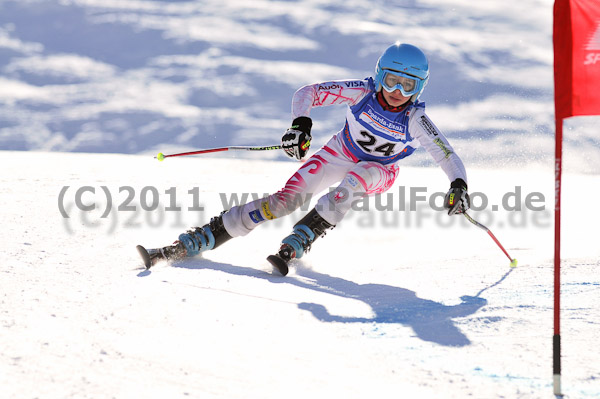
pixel 513 263
pixel 160 156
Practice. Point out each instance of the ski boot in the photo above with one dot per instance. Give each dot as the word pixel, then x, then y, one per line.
pixel 306 231
pixel 189 244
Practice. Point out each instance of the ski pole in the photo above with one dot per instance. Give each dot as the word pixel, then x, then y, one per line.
pixel 162 156
pixel 513 261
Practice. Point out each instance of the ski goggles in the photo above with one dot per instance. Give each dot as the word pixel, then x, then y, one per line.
pixel 408 85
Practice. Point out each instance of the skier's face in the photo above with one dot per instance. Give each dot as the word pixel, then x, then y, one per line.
pixel 395 98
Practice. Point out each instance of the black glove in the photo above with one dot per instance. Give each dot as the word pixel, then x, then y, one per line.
pixel 296 140
pixel 457 199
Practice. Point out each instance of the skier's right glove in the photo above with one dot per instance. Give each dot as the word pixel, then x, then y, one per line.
pixel 296 140
pixel 457 199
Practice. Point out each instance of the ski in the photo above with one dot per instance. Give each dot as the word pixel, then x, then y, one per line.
pixel 152 256
pixel 279 263
pixel 145 256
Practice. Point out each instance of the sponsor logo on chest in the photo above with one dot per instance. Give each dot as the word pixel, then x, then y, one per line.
pixel 382 124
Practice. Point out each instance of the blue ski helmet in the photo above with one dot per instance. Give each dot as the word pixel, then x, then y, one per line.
pixel 402 67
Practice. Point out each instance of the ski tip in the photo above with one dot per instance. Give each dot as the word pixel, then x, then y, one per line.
pixel 279 264
pixel 144 255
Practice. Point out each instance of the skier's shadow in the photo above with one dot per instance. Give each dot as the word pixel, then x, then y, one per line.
pixel 431 321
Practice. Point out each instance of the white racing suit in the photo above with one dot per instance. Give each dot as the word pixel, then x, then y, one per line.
pixel 363 157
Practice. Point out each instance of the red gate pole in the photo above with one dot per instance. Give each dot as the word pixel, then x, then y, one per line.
pixel 557 196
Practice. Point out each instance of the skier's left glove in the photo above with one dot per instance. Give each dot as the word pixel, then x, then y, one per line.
pixel 457 199
pixel 296 140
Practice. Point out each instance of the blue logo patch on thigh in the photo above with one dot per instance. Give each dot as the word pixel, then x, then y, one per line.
pixel 352 181
pixel 256 216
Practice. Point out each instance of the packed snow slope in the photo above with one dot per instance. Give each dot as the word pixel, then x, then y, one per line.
pixel 389 304
pixel 398 300
pixel 142 76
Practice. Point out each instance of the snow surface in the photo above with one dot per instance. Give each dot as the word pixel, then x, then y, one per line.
pixel 389 304
pixel 383 306
pixel 141 76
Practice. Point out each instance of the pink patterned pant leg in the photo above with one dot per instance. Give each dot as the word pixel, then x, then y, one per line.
pixel 364 179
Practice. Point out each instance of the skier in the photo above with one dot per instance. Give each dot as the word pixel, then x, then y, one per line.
pixel 385 122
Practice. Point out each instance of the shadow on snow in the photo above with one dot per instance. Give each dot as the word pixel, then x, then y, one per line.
pixel 430 320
